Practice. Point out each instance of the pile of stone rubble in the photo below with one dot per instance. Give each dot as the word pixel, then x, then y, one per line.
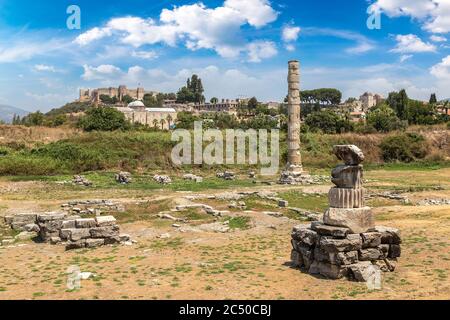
pixel 162 179
pixel 81 181
pixel 227 175
pixel 71 230
pixel 347 242
pixel 192 177
pixel 123 177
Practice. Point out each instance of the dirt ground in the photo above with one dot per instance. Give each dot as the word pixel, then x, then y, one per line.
pixel 246 263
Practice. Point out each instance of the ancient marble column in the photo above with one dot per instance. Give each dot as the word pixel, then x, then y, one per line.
pixel 294 157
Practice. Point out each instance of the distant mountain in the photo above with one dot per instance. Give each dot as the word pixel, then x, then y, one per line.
pixel 7 113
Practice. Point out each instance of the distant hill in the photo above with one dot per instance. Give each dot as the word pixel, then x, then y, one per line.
pixel 7 113
pixel 72 107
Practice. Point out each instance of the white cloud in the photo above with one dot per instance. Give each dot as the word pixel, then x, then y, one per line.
pixel 433 14
pixel 442 69
pixel 436 38
pixel 43 67
pixel 101 72
pixel 290 33
pixel 259 50
pixel 405 57
pixel 92 35
pixel 148 55
pixel 196 25
pixel 411 43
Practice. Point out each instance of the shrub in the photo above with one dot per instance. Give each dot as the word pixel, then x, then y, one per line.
pixel 384 119
pixel 24 165
pixel 405 147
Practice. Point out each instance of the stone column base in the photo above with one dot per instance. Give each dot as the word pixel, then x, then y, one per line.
pixel 358 220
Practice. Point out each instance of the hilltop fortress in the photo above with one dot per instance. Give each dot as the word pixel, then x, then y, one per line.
pixel 93 95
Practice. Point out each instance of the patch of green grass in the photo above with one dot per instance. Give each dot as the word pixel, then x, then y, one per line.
pixel 238 222
pixel 311 202
pixel 38 294
pixel 175 243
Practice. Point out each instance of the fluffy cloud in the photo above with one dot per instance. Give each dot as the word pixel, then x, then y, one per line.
pixel 436 38
pixel 92 35
pixel 434 14
pixel 101 72
pixel 411 43
pixel 290 33
pixel 196 25
pixel 259 50
pixel 442 69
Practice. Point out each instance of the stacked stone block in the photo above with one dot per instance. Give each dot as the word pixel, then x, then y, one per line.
pixel 347 243
pixel 73 231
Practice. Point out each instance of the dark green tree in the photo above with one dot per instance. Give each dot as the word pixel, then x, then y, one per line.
pixel 103 119
pixel 252 103
pixel 433 99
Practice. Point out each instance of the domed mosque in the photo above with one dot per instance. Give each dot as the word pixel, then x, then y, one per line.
pixel 137 104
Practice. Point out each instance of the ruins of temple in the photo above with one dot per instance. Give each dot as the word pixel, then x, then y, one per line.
pixel 346 242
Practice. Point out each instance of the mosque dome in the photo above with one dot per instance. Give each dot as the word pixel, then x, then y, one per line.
pixel 136 104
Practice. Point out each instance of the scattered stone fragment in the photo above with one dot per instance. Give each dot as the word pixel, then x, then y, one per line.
pixel 273 214
pixel 162 179
pixel 227 175
pixel 164 236
pixel 81 181
pixel 123 177
pixel 283 203
pixel 362 271
pixel 193 177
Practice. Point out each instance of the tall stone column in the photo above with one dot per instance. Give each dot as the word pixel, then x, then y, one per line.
pixel 294 158
pixel 294 174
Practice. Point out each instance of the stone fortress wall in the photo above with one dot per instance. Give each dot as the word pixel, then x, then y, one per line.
pixel 92 95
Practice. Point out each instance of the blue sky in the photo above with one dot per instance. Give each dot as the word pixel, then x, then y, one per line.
pixel 238 47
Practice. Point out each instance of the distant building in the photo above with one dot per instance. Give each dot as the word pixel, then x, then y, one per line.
pixel 93 95
pixel 136 112
pixel 370 100
pixel 357 116
pixel 273 105
pixel 225 105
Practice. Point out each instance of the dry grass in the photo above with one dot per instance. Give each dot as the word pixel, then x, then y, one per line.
pixel 29 136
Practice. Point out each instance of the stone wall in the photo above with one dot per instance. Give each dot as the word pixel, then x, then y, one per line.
pixel 71 230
